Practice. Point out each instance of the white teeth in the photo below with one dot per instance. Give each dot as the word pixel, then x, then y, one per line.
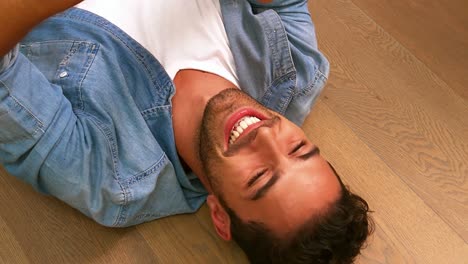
pixel 241 125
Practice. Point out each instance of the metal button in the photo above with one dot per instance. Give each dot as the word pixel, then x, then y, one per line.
pixel 63 74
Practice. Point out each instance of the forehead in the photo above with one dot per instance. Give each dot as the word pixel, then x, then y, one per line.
pixel 309 183
pixel 302 191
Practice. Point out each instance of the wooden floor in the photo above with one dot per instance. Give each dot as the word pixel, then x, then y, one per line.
pixel 393 120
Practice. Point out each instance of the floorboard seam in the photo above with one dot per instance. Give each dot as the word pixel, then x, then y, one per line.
pixel 441 79
pixel 393 171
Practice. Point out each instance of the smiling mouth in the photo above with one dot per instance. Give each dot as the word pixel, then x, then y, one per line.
pixel 241 123
pixel 241 126
pixel 249 135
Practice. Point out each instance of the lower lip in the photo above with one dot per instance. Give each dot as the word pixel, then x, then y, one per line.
pixel 235 117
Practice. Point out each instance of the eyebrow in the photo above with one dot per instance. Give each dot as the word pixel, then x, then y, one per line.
pixel 265 188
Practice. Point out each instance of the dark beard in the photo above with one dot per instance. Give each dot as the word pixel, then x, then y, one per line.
pixel 208 151
pixel 206 146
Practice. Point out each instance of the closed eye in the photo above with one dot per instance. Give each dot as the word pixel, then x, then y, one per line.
pixel 297 147
pixel 256 177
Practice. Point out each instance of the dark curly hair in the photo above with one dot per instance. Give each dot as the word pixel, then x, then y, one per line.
pixel 334 236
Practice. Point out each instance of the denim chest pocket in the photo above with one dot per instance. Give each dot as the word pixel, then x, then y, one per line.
pixel 64 63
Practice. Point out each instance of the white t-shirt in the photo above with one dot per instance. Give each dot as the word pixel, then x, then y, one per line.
pixel 181 34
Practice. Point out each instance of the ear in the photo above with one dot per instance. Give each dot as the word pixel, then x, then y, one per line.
pixel 220 218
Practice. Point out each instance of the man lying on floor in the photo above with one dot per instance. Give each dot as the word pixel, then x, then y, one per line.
pixel 137 110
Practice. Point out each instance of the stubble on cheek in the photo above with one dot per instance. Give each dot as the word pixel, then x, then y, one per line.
pixel 211 133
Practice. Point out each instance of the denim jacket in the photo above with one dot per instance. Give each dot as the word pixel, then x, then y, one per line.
pixel 85 110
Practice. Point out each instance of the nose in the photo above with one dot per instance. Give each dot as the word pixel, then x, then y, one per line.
pixel 268 143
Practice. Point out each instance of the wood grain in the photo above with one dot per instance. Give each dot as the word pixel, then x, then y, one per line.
pixel 10 249
pixel 434 31
pixel 195 239
pixel 408 230
pixel 399 108
pixel 392 120
pixel 48 231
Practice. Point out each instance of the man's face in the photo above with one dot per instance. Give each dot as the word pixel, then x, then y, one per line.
pixel 267 171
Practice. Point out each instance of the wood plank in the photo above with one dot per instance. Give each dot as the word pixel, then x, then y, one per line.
pixel 10 249
pixel 392 120
pixel 435 31
pixel 406 114
pixel 48 231
pixel 408 231
pixel 192 239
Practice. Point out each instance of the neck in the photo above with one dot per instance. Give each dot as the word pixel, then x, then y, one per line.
pixel 194 89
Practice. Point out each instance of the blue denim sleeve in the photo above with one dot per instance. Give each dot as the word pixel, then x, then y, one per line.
pixel 29 106
pixel 311 65
pixel 43 143
pixel 296 20
pixel 85 116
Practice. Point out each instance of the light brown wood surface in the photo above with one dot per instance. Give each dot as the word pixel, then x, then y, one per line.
pixel 393 120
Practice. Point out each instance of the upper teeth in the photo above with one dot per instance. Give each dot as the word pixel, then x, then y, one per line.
pixel 240 127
